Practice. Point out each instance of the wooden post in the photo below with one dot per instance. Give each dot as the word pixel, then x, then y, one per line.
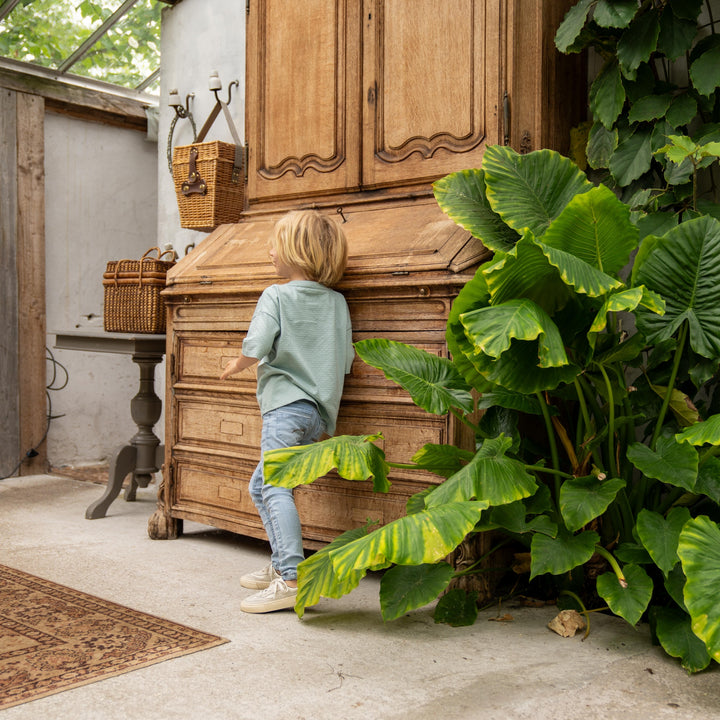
pixel 9 407
pixel 30 258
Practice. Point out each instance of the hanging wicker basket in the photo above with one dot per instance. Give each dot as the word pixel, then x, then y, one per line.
pixel 209 178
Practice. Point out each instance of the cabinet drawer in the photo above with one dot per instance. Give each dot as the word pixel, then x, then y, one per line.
pixel 219 426
pixel 217 494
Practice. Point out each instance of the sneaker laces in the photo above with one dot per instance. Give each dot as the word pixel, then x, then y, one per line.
pixel 275 588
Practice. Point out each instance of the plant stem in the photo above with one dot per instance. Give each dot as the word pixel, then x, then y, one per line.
pixel 463 418
pixel 712 451
pixel 600 550
pixel 551 440
pixel 583 404
pixel 671 384
pixel 549 471
pixel 611 422
pixel 472 571
pixel 584 610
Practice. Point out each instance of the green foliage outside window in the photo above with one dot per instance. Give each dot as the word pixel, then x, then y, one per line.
pixel 47 32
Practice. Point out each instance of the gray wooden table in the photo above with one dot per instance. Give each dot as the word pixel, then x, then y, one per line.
pixel 143 454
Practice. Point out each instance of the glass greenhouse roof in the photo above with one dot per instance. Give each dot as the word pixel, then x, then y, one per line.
pixel 113 41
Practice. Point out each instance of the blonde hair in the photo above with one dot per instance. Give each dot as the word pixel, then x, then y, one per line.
pixel 312 243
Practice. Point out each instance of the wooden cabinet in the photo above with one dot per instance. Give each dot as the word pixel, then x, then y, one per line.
pixel 346 95
pixel 400 290
pixel 353 107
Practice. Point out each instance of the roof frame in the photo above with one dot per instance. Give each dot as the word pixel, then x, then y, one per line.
pixel 8 6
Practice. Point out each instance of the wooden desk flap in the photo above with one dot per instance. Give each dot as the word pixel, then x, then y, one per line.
pixel 410 238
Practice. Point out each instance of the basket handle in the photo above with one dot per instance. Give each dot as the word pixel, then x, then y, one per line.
pixel 142 260
pixel 238 162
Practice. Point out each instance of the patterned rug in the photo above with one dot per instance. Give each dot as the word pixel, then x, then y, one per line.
pixel 53 638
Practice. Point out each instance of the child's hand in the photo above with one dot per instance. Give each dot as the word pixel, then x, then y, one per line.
pixel 237 365
pixel 231 368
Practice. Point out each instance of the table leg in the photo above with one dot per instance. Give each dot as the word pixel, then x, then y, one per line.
pixel 143 455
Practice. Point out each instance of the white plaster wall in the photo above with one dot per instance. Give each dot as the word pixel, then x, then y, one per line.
pixel 100 205
pixel 198 37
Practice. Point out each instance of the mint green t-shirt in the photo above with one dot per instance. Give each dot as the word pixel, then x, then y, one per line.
pixel 301 334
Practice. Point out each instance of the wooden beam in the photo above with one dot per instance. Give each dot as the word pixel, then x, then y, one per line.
pixel 31 280
pixel 64 97
pixel 10 452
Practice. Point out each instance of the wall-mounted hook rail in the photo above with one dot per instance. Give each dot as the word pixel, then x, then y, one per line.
pixel 215 87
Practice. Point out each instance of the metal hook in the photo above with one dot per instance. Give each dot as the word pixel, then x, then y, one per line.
pixel 217 97
pixel 180 110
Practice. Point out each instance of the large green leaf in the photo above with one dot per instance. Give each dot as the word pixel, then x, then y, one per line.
pixel 607 94
pixel 674 631
pixel 490 477
pixel 625 300
pixel 443 460
pixel 518 370
pixel 499 397
pixel 699 551
pixel 660 535
pixel 595 227
pixel 560 554
pixel 684 268
pixel 677 34
pixel 704 71
pixel 601 144
pixel 650 107
pixel 354 456
pixel 474 294
pixel 492 329
pixel 615 13
pixel 638 42
pixel 434 383
pixel 316 577
pixel 630 600
pixel 702 433
pixel 424 537
pixel 708 480
pixel 632 157
pixel 406 587
pixel 586 279
pixel 530 191
pixel 525 272
pixel 457 608
pixel 682 110
pixel 462 197
pixel 671 462
pixel 585 498
pixel 571 25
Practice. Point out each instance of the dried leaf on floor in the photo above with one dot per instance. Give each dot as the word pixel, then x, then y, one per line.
pixel 567 622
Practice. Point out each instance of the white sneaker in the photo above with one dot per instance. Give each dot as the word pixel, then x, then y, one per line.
pixel 278 595
pixel 259 579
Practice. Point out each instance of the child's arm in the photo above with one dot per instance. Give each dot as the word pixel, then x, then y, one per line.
pixel 237 365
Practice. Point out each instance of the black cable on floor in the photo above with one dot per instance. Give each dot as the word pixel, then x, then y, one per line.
pixel 52 385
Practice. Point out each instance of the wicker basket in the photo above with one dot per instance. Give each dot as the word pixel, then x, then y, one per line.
pixel 209 177
pixel 133 303
pixel 210 192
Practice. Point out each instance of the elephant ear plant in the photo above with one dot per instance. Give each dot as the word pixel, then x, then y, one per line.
pixel 596 375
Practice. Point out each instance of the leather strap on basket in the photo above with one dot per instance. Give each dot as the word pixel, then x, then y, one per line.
pixel 142 260
pixel 239 154
pixel 194 185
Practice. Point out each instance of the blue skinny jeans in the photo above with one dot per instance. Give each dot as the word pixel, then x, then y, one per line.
pixel 298 423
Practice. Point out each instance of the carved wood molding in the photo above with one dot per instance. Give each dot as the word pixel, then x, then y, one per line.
pixel 299 165
pixel 425 146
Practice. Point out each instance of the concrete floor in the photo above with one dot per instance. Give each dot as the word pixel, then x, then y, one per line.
pixel 341 661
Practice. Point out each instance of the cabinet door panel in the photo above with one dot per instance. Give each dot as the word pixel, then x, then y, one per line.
pixel 432 87
pixel 303 93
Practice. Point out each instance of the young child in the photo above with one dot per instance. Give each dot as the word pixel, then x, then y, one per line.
pixel 300 334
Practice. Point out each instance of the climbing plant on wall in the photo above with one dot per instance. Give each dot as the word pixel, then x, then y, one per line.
pixel 658 80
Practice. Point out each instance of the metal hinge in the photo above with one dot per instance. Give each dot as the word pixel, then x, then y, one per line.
pixel 247 7
pixel 506 118
pixel 247 159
